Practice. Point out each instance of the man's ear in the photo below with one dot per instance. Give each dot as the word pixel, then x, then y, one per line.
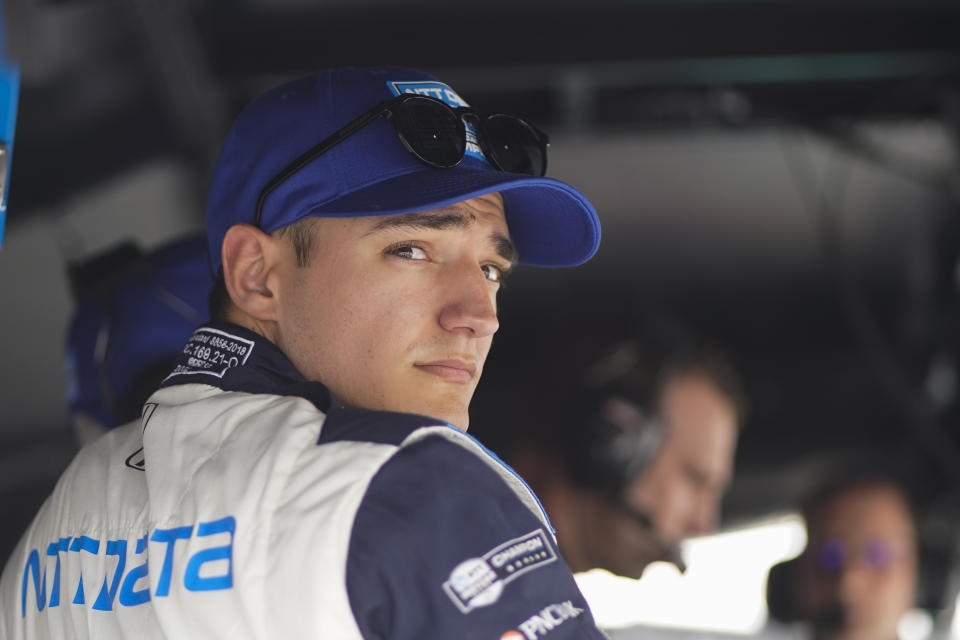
pixel 249 259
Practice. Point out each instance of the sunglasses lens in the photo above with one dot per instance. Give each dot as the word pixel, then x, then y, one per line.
pixel 878 554
pixel 832 556
pixel 430 130
pixel 515 145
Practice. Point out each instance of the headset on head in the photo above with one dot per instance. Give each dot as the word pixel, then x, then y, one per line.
pixel 621 434
pixel 623 431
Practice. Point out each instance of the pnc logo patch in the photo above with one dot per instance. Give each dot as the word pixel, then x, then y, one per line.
pixel 542 623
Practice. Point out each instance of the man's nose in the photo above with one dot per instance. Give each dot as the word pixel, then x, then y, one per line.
pixel 851 581
pixel 471 304
pixel 704 518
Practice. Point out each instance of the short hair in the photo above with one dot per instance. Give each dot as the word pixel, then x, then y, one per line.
pixel 299 234
pixel 851 480
pixel 640 371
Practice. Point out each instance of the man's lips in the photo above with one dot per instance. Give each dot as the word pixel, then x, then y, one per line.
pixel 451 370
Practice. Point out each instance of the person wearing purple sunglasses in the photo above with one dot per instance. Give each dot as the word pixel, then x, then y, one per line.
pixel 858 574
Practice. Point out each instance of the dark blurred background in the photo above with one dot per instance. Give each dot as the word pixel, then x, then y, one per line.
pixel 781 175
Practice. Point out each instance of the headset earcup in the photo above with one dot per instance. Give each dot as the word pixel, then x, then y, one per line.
pixel 619 442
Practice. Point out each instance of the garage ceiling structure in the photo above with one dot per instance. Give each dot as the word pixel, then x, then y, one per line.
pixel 781 174
pixel 97 72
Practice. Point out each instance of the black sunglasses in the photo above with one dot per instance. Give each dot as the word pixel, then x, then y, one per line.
pixel 435 133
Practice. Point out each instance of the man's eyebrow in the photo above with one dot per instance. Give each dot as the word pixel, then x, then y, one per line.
pixel 504 247
pixel 437 221
pixel 440 221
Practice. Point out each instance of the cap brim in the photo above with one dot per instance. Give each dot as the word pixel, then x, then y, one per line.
pixel 551 223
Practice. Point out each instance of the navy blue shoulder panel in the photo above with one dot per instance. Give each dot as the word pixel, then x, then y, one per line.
pixel 366 425
pixel 441 547
pixel 232 358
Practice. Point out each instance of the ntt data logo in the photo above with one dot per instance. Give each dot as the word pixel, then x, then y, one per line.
pixel 542 623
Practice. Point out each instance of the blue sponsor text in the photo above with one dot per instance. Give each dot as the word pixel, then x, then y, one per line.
pixel 122 567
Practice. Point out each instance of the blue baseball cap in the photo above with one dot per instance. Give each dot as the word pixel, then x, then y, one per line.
pixel 372 174
pixel 134 313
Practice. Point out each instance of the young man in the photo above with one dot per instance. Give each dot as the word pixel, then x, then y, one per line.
pixel 285 482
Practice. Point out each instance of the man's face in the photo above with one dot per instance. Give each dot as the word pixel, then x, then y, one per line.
pixel 682 488
pixel 858 576
pixel 398 312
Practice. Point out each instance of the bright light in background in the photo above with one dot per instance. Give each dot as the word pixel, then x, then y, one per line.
pixel 955 624
pixel 723 590
pixel 915 625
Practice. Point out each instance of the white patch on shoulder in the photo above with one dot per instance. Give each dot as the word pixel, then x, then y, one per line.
pixel 478 582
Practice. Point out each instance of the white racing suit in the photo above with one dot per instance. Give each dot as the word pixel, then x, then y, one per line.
pixel 248 503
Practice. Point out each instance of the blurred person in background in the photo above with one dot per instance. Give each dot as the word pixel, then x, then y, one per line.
pixel 651 430
pixel 134 312
pixel 858 575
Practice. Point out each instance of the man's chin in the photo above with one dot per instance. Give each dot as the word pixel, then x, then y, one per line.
pixel 452 405
pixel 456 418
pixel 453 413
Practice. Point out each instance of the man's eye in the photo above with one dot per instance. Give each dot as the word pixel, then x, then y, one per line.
pixel 408 251
pixel 493 273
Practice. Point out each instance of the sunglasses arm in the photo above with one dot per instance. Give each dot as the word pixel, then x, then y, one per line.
pixel 316 151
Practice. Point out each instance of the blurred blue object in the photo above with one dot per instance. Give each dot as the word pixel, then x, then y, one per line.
pixel 9 93
pixel 133 316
